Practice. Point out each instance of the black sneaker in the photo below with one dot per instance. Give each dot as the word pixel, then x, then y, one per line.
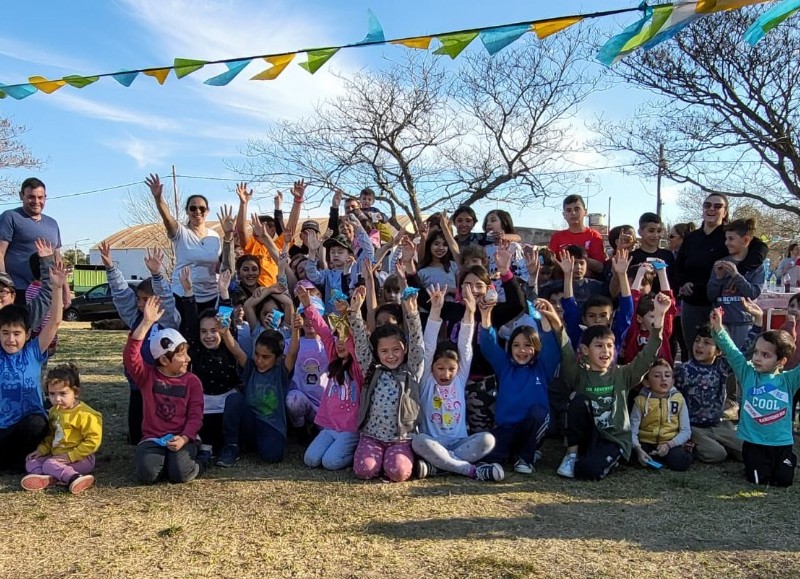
pixel 228 456
pixel 489 472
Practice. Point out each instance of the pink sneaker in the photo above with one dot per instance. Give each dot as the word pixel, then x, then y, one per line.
pixel 81 483
pixel 38 482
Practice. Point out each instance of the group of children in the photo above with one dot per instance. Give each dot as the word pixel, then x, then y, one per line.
pixel 379 370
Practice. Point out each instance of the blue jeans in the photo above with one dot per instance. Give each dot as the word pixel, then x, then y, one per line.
pixel 331 449
pixel 240 423
pixel 521 440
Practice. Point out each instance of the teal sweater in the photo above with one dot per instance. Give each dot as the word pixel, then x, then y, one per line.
pixel 766 409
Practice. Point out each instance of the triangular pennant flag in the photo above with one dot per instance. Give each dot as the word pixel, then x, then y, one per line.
pixel 18 92
pixel 550 27
pixel 496 39
pixel 660 15
pixel 609 52
pixel 234 68
pixel 769 20
pixel 125 78
pixel 279 63
pixel 316 58
pixel 420 42
pixel 710 6
pixel 44 85
pixel 453 44
pixel 2 95
pixel 160 74
pixel 185 66
pixel 682 15
pixel 374 30
pixel 78 81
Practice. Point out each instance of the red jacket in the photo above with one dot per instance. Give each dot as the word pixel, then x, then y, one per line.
pixel 636 337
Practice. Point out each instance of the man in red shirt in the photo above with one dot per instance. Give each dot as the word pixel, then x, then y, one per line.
pixel 578 234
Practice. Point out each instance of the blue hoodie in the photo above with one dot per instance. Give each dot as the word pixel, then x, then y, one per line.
pixel 520 387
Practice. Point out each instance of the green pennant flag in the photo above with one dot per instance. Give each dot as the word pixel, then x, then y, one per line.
pixel 316 58
pixel 77 81
pixel 453 44
pixel 186 66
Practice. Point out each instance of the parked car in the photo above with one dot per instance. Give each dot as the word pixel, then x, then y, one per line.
pixel 95 304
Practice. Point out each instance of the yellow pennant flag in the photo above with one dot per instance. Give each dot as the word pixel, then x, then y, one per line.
pixel 279 63
pixel 711 6
pixel 44 85
pixel 545 29
pixel 160 74
pixel 420 42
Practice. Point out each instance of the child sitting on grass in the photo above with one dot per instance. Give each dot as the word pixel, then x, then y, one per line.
pixel 660 420
pixel 66 455
pixel 443 443
pixel 598 424
pixel 23 422
pixel 172 400
pixel 765 423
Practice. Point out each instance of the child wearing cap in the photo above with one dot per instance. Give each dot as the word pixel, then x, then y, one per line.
pixel 342 272
pixel 172 400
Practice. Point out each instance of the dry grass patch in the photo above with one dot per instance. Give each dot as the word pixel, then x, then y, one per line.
pixel 256 520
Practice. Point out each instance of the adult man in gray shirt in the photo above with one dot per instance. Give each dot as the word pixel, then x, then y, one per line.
pixel 19 229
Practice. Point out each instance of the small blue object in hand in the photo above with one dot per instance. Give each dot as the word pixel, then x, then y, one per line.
pixel 164 439
pixel 408 292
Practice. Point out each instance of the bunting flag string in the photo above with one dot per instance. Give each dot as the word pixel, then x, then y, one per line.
pixel 657 23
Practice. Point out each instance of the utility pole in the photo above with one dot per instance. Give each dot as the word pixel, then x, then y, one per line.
pixel 175 190
pixel 662 165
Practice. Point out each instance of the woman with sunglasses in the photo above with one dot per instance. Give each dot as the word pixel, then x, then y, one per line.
pixel 195 245
pixel 698 253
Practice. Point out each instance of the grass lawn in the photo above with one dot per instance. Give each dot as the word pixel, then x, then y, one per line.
pixel 269 521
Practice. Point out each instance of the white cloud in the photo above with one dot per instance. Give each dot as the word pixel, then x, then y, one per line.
pixel 26 52
pixel 146 153
pixel 98 110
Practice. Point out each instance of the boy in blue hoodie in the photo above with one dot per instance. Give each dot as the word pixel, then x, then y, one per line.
pixel 765 422
pixel 524 371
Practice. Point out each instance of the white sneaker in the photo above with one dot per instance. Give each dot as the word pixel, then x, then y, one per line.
pixel 522 466
pixel 567 466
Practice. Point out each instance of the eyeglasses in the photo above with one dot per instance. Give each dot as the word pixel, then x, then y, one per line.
pixel 197 209
pixel 6 292
pixel 708 205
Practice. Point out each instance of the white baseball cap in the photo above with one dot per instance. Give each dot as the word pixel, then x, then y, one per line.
pixel 164 341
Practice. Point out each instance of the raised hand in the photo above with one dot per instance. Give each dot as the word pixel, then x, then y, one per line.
pixel 299 190
pixel 626 241
pixel 357 299
pixel 224 280
pixel 437 294
pixel 278 200
pixel 185 277
pixel 297 323
pixel 153 260
pixel 152 312
pixel 401 269
pixel 753 308
pixel 531 253
pixel 502 257
pixel 468 299
pixel 259 232
pixel 407 249
pixel 410 304
pixel 105 253
pixel 337 197
pixel 302 295
pixel 620 262
pixel 43 247
pixel 156 187
pixel 58 275
pixel 225 217
pixel 244 194
pixel 566 262
pixel 662 303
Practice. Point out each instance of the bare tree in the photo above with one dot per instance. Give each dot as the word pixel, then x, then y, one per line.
pixel 726 113
pixel 430 139
pixel 13 155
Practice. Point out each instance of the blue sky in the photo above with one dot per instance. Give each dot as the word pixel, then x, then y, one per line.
pixel 106 135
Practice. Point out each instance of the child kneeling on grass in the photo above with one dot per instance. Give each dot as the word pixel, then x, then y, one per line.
pixel 765 422
pixel 598 424
pixel 660 420
pixel 389 408
pixel 66 455
pixel 443 443
pixel 172 400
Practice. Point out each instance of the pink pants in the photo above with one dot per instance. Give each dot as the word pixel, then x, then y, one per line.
pixel 395 459
pixel 58 467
